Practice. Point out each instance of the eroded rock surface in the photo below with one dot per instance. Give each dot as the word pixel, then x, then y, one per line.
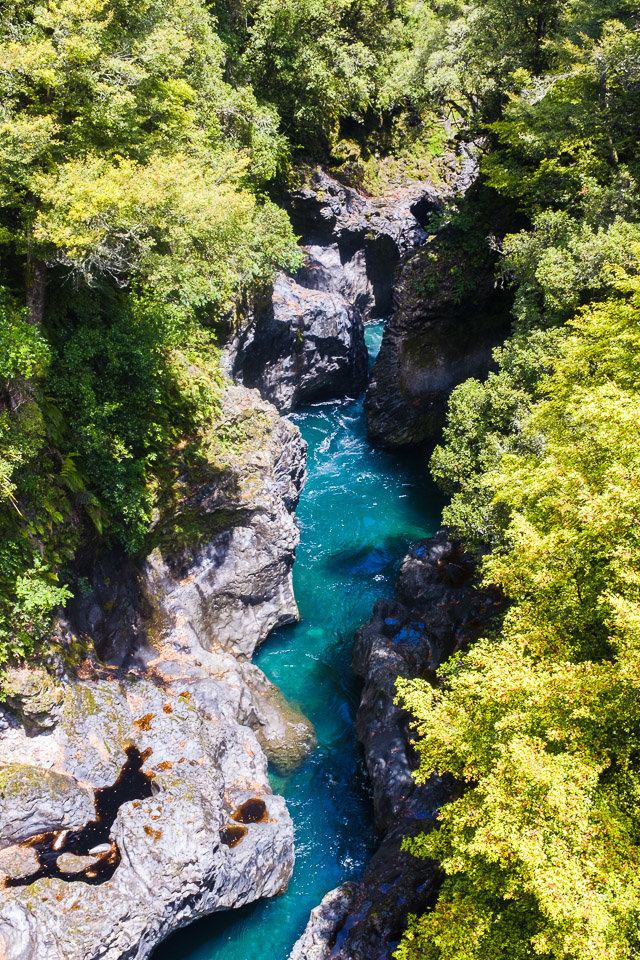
pixel 173 863
pixel 353 242
pixel 307 342
pixel 438 608
pixel 149 689
pixel 217 579
pixel 449 314
pixel 307 345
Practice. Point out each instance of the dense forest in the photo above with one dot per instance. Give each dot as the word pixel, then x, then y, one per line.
pixel 144 145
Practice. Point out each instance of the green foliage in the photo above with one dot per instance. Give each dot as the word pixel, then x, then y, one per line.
pixel 485 421
pixel 542 724
pixel 319 62
pixel 130 218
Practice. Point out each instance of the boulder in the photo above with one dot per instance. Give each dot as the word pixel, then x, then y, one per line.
pixel 307 345
pixel 168 837
pixel 33 800
pixel 325 923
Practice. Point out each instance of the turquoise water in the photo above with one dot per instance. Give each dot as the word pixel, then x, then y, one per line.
pixel 360 511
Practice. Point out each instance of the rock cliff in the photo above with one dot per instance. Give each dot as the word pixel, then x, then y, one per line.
pixel 307 342
pixel 449 314
pixel 134 794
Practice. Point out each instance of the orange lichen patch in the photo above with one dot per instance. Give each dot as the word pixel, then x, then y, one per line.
pixel 144 723
pixel 187 580
pixel 249 750
pixel 165 765
pixel 253 810
pixel 186 695
pixel 168 708
pixel 231 834
pixel 86 670
pixel 150 832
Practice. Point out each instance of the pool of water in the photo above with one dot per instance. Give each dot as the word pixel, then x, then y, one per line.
pixel 360 511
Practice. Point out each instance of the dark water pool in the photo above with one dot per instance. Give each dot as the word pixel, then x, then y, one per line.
pixel 360 511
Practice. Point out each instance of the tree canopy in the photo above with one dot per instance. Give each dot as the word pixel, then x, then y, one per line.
pixel 539 720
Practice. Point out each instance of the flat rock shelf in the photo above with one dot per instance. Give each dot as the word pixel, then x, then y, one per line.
pixel 360 511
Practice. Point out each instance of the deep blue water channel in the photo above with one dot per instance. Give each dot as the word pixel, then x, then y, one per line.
pixel 360 511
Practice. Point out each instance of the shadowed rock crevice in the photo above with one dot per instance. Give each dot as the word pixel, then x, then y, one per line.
pixel 94 839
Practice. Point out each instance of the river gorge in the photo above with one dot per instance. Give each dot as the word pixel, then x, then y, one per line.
pixel 212 652
pixel 360 511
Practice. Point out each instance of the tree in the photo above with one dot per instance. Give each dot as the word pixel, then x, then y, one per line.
pixel 541 724
pixel 131 215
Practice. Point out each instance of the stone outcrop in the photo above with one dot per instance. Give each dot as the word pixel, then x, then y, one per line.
pixel 307 342
pixel 353 242
pixel 217 578
pixel 307 345
pixel 134 794
pixel 169 856
pixel 438 609
pixel 449 314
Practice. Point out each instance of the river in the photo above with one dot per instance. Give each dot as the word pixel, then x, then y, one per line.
pixel 359 512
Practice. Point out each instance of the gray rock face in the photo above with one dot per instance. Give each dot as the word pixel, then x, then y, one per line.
pixel 449 314
pixel 218 571
pixel 437 609
pixel 174 634
pixel 216 582
pixel 325 923
pixel 308 345
pixel 176 862
pixel 369 234
pixel 48 801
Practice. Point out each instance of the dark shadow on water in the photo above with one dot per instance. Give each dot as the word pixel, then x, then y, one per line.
pixel 202 932
pixel 369 559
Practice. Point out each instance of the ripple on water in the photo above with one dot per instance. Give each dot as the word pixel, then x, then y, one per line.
pixel 360 511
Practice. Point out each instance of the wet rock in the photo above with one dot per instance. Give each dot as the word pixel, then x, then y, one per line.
pixel 306 345
pixel 438 608
pixel 325 923
pixel 71 863
pixel 173 866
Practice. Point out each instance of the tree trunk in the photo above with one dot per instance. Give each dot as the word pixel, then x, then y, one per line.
pixel 36 291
